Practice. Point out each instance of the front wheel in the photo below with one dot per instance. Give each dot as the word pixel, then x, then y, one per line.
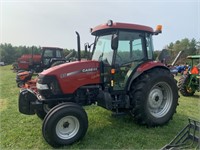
pixel 65 124
pixel 154 97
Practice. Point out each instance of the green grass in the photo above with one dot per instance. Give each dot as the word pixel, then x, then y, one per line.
pixel 18 131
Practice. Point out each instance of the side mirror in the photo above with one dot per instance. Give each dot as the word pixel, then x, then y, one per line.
pixel 114 42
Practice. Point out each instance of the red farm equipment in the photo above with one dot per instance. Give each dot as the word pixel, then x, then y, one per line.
pixel 50 56
pixel 120 75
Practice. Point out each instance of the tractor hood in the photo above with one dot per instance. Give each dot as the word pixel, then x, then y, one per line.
pixel 73 75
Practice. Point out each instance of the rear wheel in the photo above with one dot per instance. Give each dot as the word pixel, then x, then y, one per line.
pixel 65 124
pixel 184 87
pixel 57 63
pixel 154 97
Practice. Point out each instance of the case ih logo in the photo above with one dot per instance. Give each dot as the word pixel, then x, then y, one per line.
pixel 89 70
pixel 64 75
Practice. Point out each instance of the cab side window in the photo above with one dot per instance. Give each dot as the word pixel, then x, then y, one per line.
pixel 58 53
pixel 48 53
pixel 130 47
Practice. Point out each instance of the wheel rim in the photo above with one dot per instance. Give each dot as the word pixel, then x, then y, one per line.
pixel 67 127
pixel 160 99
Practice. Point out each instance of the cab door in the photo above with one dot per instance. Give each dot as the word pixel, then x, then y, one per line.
pixel 104 54
pixel 129 55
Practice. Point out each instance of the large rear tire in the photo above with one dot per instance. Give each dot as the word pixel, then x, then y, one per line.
pixel 184 89
pixel 154 97
pixel 65 124
pixel 57 63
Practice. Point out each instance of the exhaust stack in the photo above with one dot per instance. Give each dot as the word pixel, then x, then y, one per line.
pixel 78 46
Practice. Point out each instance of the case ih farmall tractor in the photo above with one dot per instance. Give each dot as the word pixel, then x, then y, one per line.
pixel 121 76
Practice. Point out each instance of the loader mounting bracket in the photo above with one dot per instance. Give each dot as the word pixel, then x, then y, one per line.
pixel 188 137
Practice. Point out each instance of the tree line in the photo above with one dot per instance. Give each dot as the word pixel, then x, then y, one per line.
pixel 9 53
pixel 189 47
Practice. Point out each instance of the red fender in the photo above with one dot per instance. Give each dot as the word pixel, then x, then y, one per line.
pixel 144 67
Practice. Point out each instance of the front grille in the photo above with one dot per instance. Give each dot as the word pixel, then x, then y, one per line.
pixel 54 88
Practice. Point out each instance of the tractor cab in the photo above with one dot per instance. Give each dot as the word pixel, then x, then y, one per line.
pixel 195 65
pixel 121 48
pixel 50 55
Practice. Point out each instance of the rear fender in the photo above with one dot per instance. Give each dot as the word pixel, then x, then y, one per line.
pixel 52 60
pixel 143 68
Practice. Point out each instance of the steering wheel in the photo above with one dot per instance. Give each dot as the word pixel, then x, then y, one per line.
pixel 126 64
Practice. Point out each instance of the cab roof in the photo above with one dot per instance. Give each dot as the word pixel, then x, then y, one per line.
pixel 53 48
pixel 194 57
pixel 118 25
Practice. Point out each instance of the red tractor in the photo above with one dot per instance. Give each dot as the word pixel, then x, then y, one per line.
pixel 121 76
pixel 50 56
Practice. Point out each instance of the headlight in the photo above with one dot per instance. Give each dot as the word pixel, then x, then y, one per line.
pixel 42 86
pixel 54 88
pixel 48 86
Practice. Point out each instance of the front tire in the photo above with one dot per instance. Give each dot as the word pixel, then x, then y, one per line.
pixel 184 89
pixel 154 97
pixel 41 113
pixel 65 124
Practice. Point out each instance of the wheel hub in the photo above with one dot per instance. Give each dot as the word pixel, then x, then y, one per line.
pixel 67 127
pixel 155 98
pixel 65 124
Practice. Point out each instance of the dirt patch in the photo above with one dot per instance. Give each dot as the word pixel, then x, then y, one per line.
pixel 3 104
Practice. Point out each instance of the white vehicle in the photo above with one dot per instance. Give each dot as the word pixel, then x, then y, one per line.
pixel 2 63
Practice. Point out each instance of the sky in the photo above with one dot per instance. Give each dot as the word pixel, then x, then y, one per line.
pixel 54 22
